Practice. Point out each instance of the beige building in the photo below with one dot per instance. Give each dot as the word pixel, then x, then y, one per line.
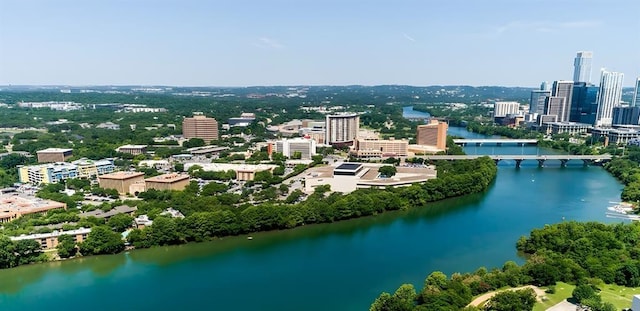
pixel 341 128
pixel 14 206
pixel 50 240
pixel 199 126
pixel 433 134
pixel 364 148
pixel 171 181
pixel 52 155
pixel 132 149
pixel 120 181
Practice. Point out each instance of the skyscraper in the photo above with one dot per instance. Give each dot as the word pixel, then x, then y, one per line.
pixel 537 100
pixel 200 127
pixel 582 67
pixel 636 94
pixel 583 103
pixel 433 134
pixel 609 95
pixel 563 89
pixel 342 128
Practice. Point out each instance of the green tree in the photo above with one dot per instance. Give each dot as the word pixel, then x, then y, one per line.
pixel 120 222
pixel 193 142
pixel 102 240
pixel 387 170
pixel 66 246
pixel 164 232
pixel 583 291
pixel 508 300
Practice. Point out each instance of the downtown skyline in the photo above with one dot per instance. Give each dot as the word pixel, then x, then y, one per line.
pixel 283 42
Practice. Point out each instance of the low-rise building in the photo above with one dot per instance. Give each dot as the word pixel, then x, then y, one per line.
pixel 132 149
pixel 171 181
pixel 122 209
pixel 50 240
pixel 50 155
pixel 364 148
pixel 120 181
pixel 14 206
pixel 567 127
pixel 304 147
pixel 55 172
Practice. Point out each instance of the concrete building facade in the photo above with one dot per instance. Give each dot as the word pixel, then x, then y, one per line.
pixel 52 155
pixel 364 148
pixel 609 95
pixel 14 206
pixel 120 181
pixel 341 128
pixel 132 149
pixel 55 172
pixel 502 109
pixel 433 134
pixel 306 147
pixel 50 240
pixel 172 181
pixel 200 126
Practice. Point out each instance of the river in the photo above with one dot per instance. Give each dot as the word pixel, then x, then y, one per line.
pixel 341 266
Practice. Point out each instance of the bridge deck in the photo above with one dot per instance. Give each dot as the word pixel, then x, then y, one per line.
pixel 495 141
pixel 520 157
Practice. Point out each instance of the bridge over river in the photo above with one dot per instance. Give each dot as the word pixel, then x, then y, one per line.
pixel 563 158
pixel 495 141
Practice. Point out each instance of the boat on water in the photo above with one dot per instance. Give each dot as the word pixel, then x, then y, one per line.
pixel 621 208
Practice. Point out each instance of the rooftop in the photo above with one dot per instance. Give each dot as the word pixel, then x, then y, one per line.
pixel 122 175
pixel 349 166
pixel 54 150
pixel 14 205
pixel 168 178
pixel 132 147
pixel 52 234
pixel 116 210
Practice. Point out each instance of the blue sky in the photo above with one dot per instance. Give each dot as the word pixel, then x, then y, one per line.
pixel 332 42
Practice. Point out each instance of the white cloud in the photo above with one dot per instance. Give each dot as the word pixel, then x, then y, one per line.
pixel 406 36
pixel 265 42
pixel 545 26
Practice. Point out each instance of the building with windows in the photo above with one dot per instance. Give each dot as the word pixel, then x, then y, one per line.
pixel 433 134
pixel 244 172
pixel 563 89
pixel 50 240
pixel 51 155
pixel 537 101
pixel 582 67
pixel 365 148
pixel 200 126
pixel 616 136
pixel 636 94
pixel 567 127
pixel 609 95
pixel 120 181
pixel 555 106
pixel 132 149
pixel 291 148
pixel 14 206
pixel 341 129
pixel 55 172
pixel 502 109
pixel 626 115
pixel 583 103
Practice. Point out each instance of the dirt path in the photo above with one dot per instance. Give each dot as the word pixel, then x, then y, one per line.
pixel 482 298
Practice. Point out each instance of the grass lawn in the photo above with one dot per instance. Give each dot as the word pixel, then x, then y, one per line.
pixel 619 296
pixel 563 291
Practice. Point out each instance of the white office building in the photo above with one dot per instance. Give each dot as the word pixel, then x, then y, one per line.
pixel 306 147
pixel 502 109
pixel 609 95
pixel 582 67
pixel 341 128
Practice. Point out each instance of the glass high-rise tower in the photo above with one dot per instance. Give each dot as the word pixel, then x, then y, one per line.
pixel 609 95
pixel 636 94
pixel 582 67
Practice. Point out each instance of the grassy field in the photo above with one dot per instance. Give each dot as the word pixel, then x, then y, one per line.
pixel 619 296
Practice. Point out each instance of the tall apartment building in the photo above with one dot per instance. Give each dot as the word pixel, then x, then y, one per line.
pixel 51 155
pixel 433 134
pixel 200 126
pixel 341 128
pixel 563 89
pixel 609 95
pixel 582 67
pixel 636 94
pixel 364 148
pixel 288 147
pixel 555 106
pixel 502 109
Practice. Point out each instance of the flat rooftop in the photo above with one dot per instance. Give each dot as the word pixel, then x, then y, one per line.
pixel 54 150
pixel 132 147
pixel 121 175
pixel 349 166
pixel 12 205
pixel 52 234
pixel 168 178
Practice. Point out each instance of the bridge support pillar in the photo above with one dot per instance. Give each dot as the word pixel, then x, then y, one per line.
pixel 541 162
pixel 563 162
pixel 499 144
pixel 518 161
pixel 586 162
pixel 496 160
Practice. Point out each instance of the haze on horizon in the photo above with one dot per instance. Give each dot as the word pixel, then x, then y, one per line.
pixel 304 42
